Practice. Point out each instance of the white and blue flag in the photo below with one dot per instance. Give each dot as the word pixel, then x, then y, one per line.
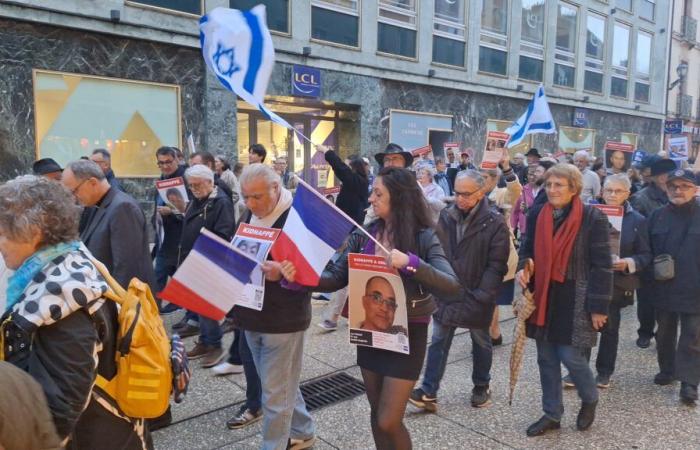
pixel 537 119
pixel 238 48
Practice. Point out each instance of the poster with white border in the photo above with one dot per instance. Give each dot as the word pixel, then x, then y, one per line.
pixel 614 215
pixel 173 193
pixel 493 152
pixel 256 242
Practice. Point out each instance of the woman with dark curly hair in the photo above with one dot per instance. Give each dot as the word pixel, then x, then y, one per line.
pixel 403 226
pixel 56 324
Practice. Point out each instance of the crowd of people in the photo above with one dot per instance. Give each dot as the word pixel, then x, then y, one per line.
pixel 463 240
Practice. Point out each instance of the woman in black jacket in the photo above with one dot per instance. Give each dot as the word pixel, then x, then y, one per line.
pixel 352 199
pixel 403 226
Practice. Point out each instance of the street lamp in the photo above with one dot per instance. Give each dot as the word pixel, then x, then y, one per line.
pixel 682 72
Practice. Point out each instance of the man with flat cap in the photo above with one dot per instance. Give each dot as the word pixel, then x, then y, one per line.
pixel 394 156
pixel 651 197
pixel 674 231
pixel 48 168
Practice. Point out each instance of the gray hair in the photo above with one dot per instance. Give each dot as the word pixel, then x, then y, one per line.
pixel 200 171
pixel 621 178
pixel 473 175
pixel 30 203
pixel 258 170
pixel 582 153
pixel 426 168
pixel 85 169
pixel 493 172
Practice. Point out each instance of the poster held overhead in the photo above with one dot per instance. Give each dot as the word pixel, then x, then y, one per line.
pixel 493 152
pixel 618 156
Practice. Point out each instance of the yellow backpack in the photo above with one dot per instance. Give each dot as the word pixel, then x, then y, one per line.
pixel 143 381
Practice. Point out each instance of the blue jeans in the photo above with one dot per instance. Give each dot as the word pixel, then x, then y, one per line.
pixel 240 354
pixel 165 268
pixel 482 355
pixel 278 360
pixel 210 332
pixel 550 357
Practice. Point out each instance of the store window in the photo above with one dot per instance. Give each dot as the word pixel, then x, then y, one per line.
pixel 642 67
pixel 629 138
pixel 532 40
pixel 493 41
pixel 335 21
pixel 620 60
pixel 565 51
pixel 449 32
pixel 647 9
pixel 573 139
pixel 277 12
pixel 75 114
pixel 595 53
pixel 397 30
pixel 186 6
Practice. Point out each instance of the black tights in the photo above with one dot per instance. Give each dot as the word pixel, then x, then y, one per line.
pixel 388 397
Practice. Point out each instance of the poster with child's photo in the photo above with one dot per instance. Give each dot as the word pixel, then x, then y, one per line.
pixel 377 304
pixel 255 242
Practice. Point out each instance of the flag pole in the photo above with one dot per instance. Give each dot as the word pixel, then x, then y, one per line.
pixel 379 244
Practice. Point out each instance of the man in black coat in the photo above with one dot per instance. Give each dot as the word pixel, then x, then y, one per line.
pixel 117 232
pixel 476 242
pixel 674 231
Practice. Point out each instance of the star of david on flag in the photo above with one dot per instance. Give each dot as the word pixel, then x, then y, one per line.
pixel 237 47
pixel 536 119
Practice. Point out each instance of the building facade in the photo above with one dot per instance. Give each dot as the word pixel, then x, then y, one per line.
pixel 352 74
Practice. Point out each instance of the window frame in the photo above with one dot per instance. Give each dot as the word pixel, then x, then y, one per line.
pixel 591 63
pixel 454 37
pixel 530 49
pixel 341 10
pixel 163 9
pixel 615 70
pixel 494 46
pixel 653 12
pixel 288 33
pixel 396 23
pixel 642 78
pixel 566 58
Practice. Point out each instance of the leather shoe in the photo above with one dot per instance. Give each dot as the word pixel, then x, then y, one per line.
pixel 542 426
pixel 643 342
pixel 586 416
pixel 689 394
pixel 663 379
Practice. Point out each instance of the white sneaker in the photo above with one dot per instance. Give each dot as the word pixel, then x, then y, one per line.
pixel 226 368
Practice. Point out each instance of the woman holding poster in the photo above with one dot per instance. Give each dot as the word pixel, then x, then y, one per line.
pixel 403 226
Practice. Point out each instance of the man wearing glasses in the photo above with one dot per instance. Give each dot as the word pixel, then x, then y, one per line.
pixel 476 241
pixel 674 232
pixel 379 303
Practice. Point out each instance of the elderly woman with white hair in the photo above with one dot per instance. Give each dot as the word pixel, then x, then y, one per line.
pixel 212 210
pixel 433 193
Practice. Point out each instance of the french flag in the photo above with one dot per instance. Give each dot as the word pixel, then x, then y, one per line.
pixel 314 230
pixel 205 280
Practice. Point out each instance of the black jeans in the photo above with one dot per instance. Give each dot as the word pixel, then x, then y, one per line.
pixel 609 338
pixel 645 312
pixel 679 357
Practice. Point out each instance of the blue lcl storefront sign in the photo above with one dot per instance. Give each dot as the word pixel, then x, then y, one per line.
pixel 306 81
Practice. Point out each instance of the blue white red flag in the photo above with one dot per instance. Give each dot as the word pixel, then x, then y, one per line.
pixel 204 282
pixel 238 48
pixel 314 230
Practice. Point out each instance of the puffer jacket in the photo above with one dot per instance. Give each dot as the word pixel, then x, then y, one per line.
pixel 433 276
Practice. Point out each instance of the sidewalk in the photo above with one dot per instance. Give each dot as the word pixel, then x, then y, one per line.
pixel 632 414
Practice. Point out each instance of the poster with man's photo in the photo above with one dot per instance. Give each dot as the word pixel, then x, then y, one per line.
pixel 423 154
pixel 173 193
pixel 614 215
pixel 493 152
pixel 377 304
pixel 618 157
pixel 452 153
pixel 331 193
pixel 678 147
pixel 255 242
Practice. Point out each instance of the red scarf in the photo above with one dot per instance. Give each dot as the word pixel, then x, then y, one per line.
pixel 552 253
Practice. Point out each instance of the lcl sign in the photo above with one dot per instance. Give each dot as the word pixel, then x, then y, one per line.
pixel 306 81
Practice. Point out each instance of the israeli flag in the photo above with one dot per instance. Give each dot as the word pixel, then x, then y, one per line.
pixel 238 48
pixel 537 119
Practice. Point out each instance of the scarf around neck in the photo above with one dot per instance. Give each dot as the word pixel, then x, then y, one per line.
pixel 552 252
pixel 19 281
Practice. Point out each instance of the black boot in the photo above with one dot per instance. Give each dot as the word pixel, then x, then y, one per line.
pixel 689 394
pixel 542 426
pixel 586 416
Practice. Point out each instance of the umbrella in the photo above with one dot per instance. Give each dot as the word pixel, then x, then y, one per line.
pixel 523 306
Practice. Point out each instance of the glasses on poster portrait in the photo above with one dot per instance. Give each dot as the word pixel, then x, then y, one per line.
pixel 379 300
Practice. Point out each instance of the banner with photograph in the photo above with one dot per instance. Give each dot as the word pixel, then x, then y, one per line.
pixel 638 156
pixel 614 215
pixel 377 304
pixel 678 147
pixel 423 155
pixel 174 194
pixel 493 152
pixel 618 156
pixel 331 193
pixel 452 153
pixel 255 242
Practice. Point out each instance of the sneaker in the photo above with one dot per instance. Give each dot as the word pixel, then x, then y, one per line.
pixel 420 399
pixel 689 394
pixel 227 325
pixel 169 309
pixel 244 418
pixel 602 381
pixel 198 351
pixel 663 379
pixel 481 396
pixel 226 368
pixel 568 382
pixel 328 325
pixel 299 444
pixel 213 357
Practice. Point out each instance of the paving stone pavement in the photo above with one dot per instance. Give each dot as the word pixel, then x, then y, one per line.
pixel 632 414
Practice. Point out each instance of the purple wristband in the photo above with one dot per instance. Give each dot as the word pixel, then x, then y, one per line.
pixel 292 286
pixel 412 266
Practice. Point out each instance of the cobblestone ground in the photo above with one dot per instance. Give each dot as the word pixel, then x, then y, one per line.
pixel 632 414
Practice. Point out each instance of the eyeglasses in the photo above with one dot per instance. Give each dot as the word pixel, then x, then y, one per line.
pixel 555 186
pixel 466 195
pixel 75 189
pixel 616 191
pixel 378 300
pixel 680 187
pixel 165 163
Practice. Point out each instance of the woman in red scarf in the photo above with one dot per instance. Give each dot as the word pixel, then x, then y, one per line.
pixel 565 259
